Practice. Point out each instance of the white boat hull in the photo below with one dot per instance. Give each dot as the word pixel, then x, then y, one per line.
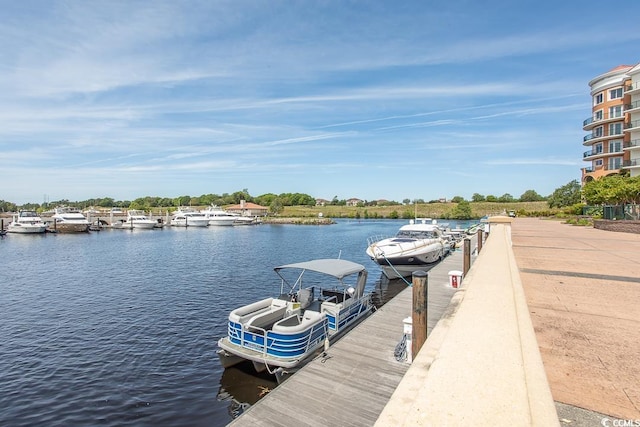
pixel 70 227
pixel 222 221
pixel 27 228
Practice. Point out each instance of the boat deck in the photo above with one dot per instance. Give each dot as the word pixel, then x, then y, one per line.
pixel 353 381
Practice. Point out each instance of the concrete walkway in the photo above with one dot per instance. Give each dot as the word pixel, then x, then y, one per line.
pixel 583 291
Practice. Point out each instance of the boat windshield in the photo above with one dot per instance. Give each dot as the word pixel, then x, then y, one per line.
pixel 417 234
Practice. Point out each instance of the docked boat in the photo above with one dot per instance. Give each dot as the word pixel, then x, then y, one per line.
pixel 70 220
pixel 417 246
pixel 218 216
pixel 282 334
pixel 138 219
pixel 27 222
pixel 187 217
pixel 245 220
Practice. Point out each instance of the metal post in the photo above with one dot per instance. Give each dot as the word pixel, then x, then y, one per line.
pixel 420 284
pixel 466 261
pixel 480 240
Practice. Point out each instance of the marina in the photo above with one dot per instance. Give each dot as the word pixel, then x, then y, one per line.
pixel 116 327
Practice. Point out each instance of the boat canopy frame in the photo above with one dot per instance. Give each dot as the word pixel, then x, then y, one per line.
pixel 335 267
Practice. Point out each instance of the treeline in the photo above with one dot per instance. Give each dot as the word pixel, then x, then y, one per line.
pixel 275 201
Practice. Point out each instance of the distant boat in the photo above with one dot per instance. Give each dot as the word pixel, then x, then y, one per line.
pixel 187 217
pixel 218 216
pixel 282 334
pixel 27 222
pixel 70 220
pixel 138 219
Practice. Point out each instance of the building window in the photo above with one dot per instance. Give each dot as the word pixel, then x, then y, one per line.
pixel 597 148
pixel 615 129
pixel 597 116
pixel 597 163
pixel 615 93
pixel 615 112
pixel 598 132
pixel 615 163
pixel 615 146
pixel 598 99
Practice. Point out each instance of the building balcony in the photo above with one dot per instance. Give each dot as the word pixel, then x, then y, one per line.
pixel 591 153
pixel 595 154
pixel 594 121
pixel 628 108
pixel 632 126
pixel 632 88
pixel 631 164
pixel 631 145
pixel 592 139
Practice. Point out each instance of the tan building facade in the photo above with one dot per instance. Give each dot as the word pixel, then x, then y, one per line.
pixel 632 129
pixel 609 125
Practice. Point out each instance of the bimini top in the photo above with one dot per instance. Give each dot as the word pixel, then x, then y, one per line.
pixel 338 268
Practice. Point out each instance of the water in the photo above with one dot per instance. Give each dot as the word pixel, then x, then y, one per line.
pixel 119 327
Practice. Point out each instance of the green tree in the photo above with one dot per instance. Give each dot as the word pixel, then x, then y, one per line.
pixel 276 206
pixel 461 211
pixel 477 197
pixel 567 195
pixel 506 198
pixel 491 198
pixel 530 196
pixel 457 199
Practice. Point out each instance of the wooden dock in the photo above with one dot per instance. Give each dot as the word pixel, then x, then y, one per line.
pixel 352 383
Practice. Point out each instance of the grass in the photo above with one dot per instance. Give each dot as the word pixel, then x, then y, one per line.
pixel 428 210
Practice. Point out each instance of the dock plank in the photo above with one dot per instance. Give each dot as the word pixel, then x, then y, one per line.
pixel 351 384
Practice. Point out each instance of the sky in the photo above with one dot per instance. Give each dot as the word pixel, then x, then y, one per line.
pixel 350 99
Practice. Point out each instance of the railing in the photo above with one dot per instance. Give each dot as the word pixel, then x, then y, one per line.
pixel 633 124
pixel 591 153
pixel 632 144
pixel 601 118
pixel 632 106
pixel 630 163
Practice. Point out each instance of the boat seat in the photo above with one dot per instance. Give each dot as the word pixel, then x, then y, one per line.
pixel 329 295
pixel 267 319
pixel 294 324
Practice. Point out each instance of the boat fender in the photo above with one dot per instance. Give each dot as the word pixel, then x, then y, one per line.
pixel 326 344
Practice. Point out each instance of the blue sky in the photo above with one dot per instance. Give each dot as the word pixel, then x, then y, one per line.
pixel 368 99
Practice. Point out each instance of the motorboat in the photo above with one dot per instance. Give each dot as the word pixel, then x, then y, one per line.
pixel 69 220
pixel 138 219
pixel 187 217
pixel 319 301
pixel 417 246
pixel 27 222
pixel 245 220
pixel 218 216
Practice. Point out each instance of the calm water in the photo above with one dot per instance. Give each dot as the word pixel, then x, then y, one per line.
pixel 119 327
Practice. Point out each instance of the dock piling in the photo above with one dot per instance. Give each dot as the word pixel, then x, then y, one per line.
pixel 466 260
pixel 420 282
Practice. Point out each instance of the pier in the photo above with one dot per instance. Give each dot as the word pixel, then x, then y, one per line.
pixel 354 380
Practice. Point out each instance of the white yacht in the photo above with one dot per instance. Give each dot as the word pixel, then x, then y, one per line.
pixel 417 246
pixel 138 219
pixel 27 222
pixel 187 217
pixel 69 220
pixel 218 216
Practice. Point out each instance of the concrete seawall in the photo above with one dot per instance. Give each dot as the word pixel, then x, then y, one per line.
pixel 481 364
